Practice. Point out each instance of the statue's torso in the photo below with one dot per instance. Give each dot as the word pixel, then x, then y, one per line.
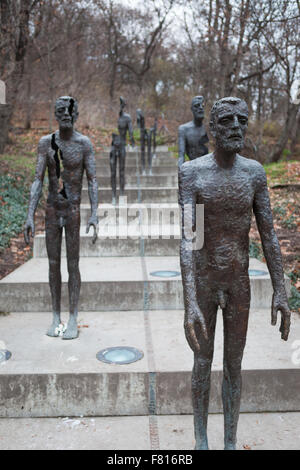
pixel 123 126
pixel 227 196
pixel 66 189
pixel 195 140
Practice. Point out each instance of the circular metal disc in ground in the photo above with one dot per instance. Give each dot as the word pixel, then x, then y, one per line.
pixel 257 272
pixel 4 355
pixel 165 273
pixel 119 355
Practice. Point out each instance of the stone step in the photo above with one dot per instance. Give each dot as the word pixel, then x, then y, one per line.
pixel 135 194
pixel 114 283
pixel 121 240
pixel 104 170
pixel 49 377
pixel 160 181
pixel 150 213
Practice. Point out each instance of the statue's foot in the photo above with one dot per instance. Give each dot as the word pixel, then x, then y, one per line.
pixel 202 445
pixel 53 331
pixel 72 329
pixel 150 173
pixel 230 446
pixel 113 201
pixel 144 172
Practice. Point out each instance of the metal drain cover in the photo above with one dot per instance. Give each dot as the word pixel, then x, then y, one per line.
pixel 4 355
pixel 257 272
pixel 165 273
pixel 119 355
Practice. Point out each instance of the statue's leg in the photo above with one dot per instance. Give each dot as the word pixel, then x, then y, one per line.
pixel 113 169
pixel 149 153
pixel 122 160
pixel 72 230
pixel 202 368
pixel 235 317
pixel 53 245
pixel 143 150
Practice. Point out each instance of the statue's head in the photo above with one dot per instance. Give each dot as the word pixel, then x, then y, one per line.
pixel 66 111
pixel 122 103
pixel 228 123
pixel 197 107
pixel 140 117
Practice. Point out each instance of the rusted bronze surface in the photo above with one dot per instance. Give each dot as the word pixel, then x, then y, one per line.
pixel 66 154
pixel 230 187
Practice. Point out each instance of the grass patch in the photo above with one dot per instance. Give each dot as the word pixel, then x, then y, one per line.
pixel 14 192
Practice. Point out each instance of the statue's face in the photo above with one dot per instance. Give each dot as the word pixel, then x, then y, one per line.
pixel 230 125
pixel 66 113
pixel 198 108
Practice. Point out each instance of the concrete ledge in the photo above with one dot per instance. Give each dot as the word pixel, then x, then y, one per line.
pixel 64 378
pixel 160 181
pixel 110 283
pixel 147 195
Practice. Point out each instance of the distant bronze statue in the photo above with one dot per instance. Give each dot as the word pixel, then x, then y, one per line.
pixel 230 187
pixel 146 137
pixel 66 154
pixel 118 150
pixel 192 136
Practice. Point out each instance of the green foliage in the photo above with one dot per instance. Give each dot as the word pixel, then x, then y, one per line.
pixel 287 221
pixel 294 300
pixel 13 206
pixel 285 154
pixel 271 129
pixel 255 250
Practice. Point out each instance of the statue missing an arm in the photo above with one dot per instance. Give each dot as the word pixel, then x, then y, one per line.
pixel 66 154
pixel 230 187
pixel 192 136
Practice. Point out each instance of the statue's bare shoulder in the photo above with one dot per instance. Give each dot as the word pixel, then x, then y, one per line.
pixel 186 126
pixel 191 171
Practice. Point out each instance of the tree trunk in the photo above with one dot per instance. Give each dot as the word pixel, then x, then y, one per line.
pixel 5 113
pixel 286 132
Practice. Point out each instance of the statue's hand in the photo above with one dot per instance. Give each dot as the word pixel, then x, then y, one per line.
pixel 280 302
pixel 194 316
pixel 29 227
pixel 93 222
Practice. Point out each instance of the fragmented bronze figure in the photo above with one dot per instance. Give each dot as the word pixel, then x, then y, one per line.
pixel 192 136
pixel 66 154
pixel 118 150
pixel 230 187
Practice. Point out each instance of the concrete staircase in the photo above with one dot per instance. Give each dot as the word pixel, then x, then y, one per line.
pixel 123 302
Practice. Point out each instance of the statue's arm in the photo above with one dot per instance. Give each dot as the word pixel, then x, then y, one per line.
pixel 271 249
pixel 90 168
pixel 36 188
pixel 193 315
pixel 181 146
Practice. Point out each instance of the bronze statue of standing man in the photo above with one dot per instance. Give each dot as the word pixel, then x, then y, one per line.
pixel 230 187
pixel 192 136
pixel 66 154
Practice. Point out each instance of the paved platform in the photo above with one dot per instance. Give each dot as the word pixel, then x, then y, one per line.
pixel 256 431
pixel 52 377
pixel 110 283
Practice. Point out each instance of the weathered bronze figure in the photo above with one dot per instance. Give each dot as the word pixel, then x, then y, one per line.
pixel 118 150
pixel 192 136
pixel 115 155
pixel 66 154
pixel 230 187
pixel 140 119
